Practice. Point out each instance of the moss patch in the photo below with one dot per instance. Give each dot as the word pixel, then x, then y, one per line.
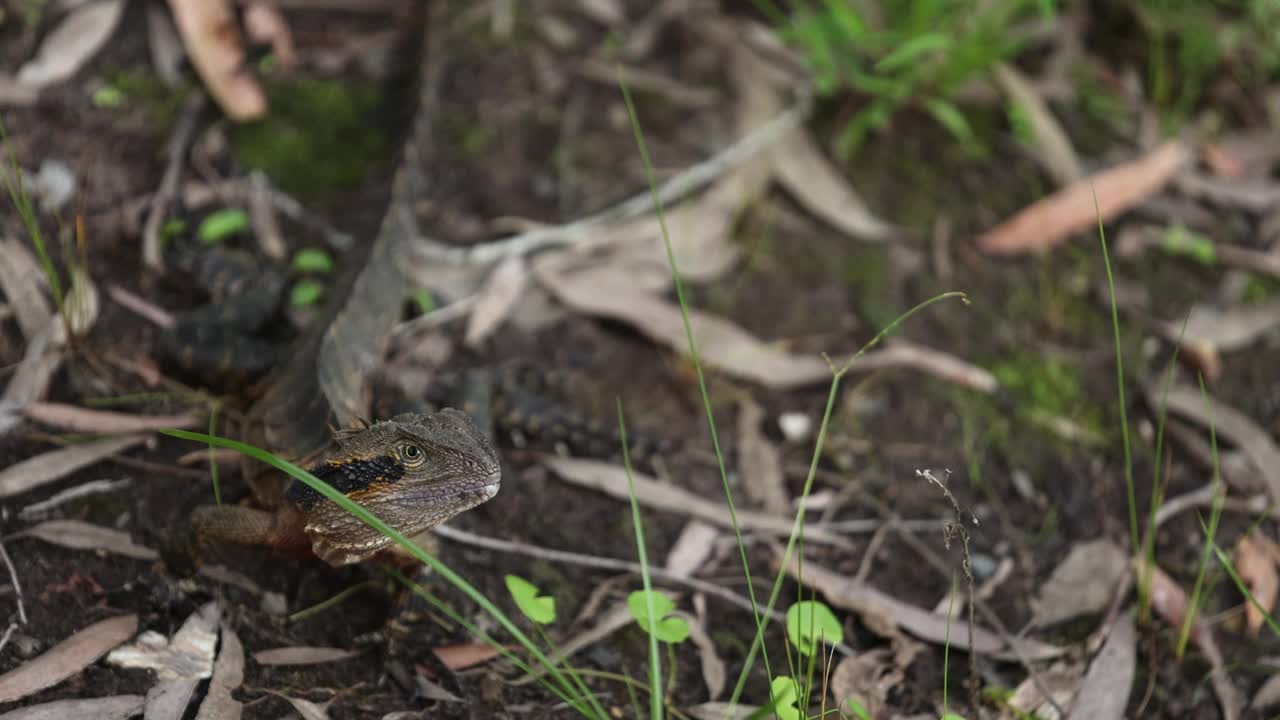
pixel 316 139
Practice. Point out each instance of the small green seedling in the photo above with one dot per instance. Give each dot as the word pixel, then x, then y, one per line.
pixel 173 227
pixel 425 301
pixel 857 709
pixel 539 608
pixel 782 691
pixel 1179 240
pixel 811 622
pixel 312 260
pixel 668 629
pixel 222 224
pixel 306 293
pixel 108 97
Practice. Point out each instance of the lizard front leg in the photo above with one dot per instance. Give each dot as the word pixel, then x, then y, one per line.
pixel 281 529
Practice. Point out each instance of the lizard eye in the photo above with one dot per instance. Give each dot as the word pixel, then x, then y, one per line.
pixel 412 454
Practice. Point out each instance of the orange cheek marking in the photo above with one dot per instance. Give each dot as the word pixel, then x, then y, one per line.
pixel 377 488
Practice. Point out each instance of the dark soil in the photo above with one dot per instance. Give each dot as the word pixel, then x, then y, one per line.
pixel 524 134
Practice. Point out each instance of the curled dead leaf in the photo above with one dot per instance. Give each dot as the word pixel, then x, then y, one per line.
pixel 67 658
pixel 214 44
pixel 1255 567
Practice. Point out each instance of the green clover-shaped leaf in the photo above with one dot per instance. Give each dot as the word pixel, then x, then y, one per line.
pixel 668 629
pixel 538 608
pixel 811 622
pixel 312 260
pixel 218 226
pixel 782 691
pixel 306 293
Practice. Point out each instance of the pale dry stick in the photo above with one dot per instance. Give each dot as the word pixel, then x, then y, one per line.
pixel 677 187
pixel 17 587
pixel 160 202
pixel 603 563
pixel 93 487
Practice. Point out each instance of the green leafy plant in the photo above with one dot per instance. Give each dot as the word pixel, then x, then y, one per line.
pixel 539 608
pixel 222 224
pixel 809 623
pixel 312 260
pixel 666 627
pixel 902 55
pixel 306 293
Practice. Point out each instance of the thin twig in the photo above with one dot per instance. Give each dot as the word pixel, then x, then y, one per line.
pixel 160 202
pixel 17 587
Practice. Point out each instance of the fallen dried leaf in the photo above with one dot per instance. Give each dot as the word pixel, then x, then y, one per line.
pixel 1230 424
pixel 867 679
pixel 713 669
pixel 722 711
pixel 56 464
pixel 67 658
pixel 612 480
pixel 166 48
pixel 1227 330
pixel 208 28
pixel 692 548
pixel 1104 693
pixel 1061 682
pixel 78 419
pixel 264 24
pixel 80 535
pixel 45 353
pixel 1170 603
pixel 606 292
pixel 461 657
pixel 822 190
pixel 302 655
pixel 309 710
pixel 496 299
pixel 1268 696
pixel 1053 149
pixel 850 594
pixel 79 37
pixel 1052 220
pixel 1258 571
pixel 116 707
pixel 20 282
pixel 759 461
pixel 228 674
pixel 1083 583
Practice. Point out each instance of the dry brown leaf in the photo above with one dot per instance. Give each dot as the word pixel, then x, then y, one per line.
pixel 692 548
pixel 302 655
pixel 1256 568
pixel 605 292
pixel 1229 424
pixel 188 655
pixel 213 41
pixel 867 679
pixel 612 480
pixel 14 93
pixel 56 464
pixel 1105 690
pixel 461 657
pixel 78 419
pixel 116 707
pixel 309 710
pixel 228 674
pixel 1170 602
pixel 849 594
pixel 713 669
pixel 1256 196
pixel 759 461
pixel 721 711
pixel 80 535
pixel 1052 220
pixel 1083 583
pixel 264 24
pixel 20 283
pixel 496 299
pixel 1061 683
pixel 77 38
pixel 1222 161
pixel 43 356
pixel 1268 696
pixel 820 188
pixel 67 658
pixel 1054 150
pixel 1226 330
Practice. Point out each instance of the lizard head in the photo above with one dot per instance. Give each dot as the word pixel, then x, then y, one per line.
pixel 413 472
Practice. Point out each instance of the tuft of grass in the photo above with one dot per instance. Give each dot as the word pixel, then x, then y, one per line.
pixel 914 55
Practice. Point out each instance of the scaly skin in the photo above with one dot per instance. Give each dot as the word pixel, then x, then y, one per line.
pixel 413 471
